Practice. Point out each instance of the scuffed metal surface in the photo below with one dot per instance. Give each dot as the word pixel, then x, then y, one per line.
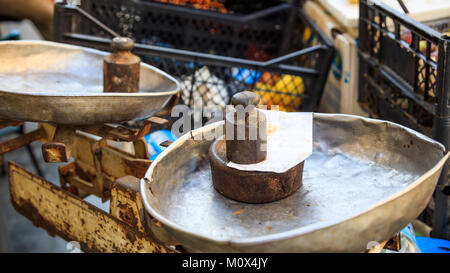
pixel 365 180
pixel 63 84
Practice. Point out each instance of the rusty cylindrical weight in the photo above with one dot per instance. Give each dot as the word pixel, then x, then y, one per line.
pixel 249 186
pixel 121 68
pixel 246 130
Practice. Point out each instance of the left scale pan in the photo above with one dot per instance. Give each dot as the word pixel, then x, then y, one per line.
pixel 63 84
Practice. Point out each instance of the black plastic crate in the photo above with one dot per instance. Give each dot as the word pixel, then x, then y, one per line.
pixel 402 68
pixel 225 6
pixel 277 52
pixel 404 77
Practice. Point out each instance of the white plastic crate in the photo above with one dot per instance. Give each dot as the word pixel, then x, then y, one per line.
pixel 341 90
pixel 347 13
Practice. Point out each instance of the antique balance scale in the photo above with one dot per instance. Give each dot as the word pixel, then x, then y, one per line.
pixel 365 180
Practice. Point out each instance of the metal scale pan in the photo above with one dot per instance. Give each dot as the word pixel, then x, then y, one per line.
pixel 365 181
pixel 63 84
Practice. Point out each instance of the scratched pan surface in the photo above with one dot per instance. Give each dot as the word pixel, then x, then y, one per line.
pixel 365 180
pixel 63 84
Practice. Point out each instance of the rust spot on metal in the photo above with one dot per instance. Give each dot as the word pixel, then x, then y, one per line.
pixel 95 236
pixel 60 148
pixel 238 212
pixel 137 168
pixel 128 215
pixel 27 209
pixel 158 120
pixel 54 152
pixel 21 141
pixel 130 165
pixel 165 143
pixel 131 237
pixel 67 226
pixel 140 149
pixel 83 174
pixel 121 206
pixel 7 122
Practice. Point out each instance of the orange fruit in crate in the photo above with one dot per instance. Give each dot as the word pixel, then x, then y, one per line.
pixel 285 93
pixel 269 78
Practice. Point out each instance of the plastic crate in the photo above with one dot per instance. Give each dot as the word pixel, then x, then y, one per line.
pixel 401 77
pixel 420 10
pixel 224 6
pixel 277 52
pixel 404 77
pixel 340 93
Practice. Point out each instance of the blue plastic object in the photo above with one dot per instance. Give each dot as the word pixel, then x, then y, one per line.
pixel 433 245
pixel 9 130
pixel 13 35
pixel 336 66
pixel 245 75
pixel 409 232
